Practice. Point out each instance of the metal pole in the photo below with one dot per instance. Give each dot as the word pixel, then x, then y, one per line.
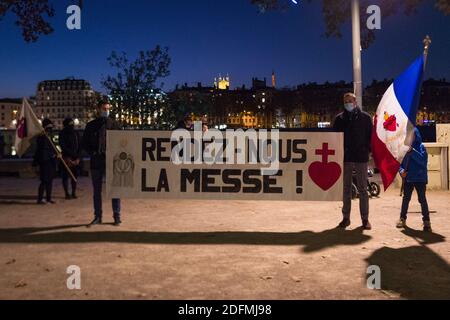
pixel 60 157
pixel 356 39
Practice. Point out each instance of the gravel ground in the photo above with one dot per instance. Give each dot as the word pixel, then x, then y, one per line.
pixel 218 249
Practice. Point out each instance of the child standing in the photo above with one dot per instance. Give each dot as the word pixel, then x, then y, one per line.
pixel 414 172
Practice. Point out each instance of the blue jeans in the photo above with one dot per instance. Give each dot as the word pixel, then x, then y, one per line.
pixel 97 183
pixel 408 189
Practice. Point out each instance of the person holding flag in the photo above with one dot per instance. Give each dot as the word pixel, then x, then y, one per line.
pixel 413 170
pixel 46 157
pixel 29 127
pixel 395 131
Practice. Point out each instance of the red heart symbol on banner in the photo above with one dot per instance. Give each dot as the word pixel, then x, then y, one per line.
pixel 325 175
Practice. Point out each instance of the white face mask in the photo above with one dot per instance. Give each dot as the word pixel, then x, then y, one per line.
pixel 349 107
pixel 104 114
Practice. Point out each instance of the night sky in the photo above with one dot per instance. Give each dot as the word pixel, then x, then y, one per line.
pixel 208 37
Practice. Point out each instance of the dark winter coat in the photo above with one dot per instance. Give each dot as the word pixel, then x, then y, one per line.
pixel 357 128
pixel 70 143
pixel 94 140
pixel 45 157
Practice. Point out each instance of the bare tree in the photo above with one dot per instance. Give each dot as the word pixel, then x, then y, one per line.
pixel 133 87
pixel 32 16
pixel 337 12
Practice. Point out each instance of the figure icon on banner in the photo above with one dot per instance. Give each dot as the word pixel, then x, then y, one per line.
pixel 123 169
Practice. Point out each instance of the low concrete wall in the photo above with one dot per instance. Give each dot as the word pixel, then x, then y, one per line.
pixel 443 136
pixel 437 165
pixel 438 170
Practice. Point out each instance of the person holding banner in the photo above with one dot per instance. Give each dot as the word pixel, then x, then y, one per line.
pixel 46 157
pixel 357 128
pixel 69 141
pixel 94 142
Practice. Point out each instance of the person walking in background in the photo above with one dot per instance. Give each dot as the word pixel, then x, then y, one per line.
pixel 357 128
pixel 70 144
pixel 414 171
pixel 46 158
pixel 94 142
pixel 186 123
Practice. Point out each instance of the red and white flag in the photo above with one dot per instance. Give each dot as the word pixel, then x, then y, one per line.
pixel 28 126
pixel 395 121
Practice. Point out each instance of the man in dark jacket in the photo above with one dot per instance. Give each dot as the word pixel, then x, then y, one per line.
pixel 94 142
pixel 70 144
pixel 46 157
pixel 414 171
pixel 357 128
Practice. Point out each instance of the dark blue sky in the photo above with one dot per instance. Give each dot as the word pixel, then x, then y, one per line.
pixel 208 37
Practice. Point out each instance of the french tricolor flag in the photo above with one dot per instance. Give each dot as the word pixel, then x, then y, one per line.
pixel 395 121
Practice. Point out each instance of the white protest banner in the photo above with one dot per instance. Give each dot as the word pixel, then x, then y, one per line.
pixel 234 165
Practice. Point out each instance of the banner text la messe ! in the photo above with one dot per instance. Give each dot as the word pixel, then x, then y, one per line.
pixel 235 165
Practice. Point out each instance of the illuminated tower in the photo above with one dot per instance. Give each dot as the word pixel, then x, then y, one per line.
pixel 274 83
pixel 222 83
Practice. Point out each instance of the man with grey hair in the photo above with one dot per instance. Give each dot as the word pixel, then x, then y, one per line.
pixel 357 128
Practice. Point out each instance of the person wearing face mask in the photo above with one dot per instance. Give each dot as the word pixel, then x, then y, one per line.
pixel 357 128
pixel 94 142
pixel 46 158
pixel 69 141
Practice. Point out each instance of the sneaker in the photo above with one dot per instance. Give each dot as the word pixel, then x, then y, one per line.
pixel 41 202
pixel 366 225
pixel 427 226
pixel 95 222
pixel 344 223
pixel 401 223
pixel 117 222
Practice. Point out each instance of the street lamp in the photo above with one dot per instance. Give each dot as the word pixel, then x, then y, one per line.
pixel 356 40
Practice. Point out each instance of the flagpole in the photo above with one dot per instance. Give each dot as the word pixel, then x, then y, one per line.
pixel 426 44
pixel 60 157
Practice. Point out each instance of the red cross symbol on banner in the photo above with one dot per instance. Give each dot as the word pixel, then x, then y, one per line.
pixel 325 174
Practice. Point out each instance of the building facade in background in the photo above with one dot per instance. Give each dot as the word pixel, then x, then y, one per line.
pixel 9 111
pixel 310 105
pixel 140 109
pixel 58 99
